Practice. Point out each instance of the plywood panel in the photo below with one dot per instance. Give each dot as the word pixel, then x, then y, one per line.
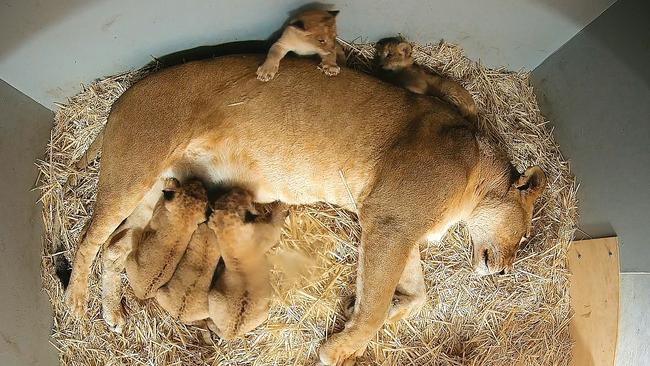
pixel 594 289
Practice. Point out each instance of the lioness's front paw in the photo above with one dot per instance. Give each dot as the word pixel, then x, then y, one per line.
pixel 76 298
pixel 341 350
pixel 267 71
pixel 329 70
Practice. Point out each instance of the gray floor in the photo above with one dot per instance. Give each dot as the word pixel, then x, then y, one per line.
pixel 634 323
pixel 25 319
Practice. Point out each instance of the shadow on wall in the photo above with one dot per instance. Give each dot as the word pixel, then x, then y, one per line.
pixel 610 36
pixel 26 18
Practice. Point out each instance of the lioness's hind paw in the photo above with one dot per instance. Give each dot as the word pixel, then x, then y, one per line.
pixel 76 302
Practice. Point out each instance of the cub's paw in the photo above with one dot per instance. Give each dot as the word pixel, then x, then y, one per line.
pixel 329 70
pixel 267 71
pixel 341 350
pixel 76 299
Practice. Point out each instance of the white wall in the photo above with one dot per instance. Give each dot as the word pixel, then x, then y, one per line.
pixel 596 91
pixel 49 47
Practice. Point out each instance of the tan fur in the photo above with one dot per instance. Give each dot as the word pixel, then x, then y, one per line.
pixel 185 296
pixel 152 261
pixel 92 151
pixel 239 299
pixel 412 167
pixel 394 63
pixel 312 32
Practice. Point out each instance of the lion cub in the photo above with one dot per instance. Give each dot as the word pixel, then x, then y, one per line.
pixel 240 296
pixel 176 216
pixel 185 296
pixel 394 64
pixel 311 32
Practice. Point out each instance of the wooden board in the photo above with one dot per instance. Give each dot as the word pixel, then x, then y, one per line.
pixel 594 289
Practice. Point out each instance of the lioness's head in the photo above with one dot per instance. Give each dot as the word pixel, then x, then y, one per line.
pixel 501 221
pixel 318 27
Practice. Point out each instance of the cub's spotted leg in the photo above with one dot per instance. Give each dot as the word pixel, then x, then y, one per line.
pixel 271 65
pixel 409 295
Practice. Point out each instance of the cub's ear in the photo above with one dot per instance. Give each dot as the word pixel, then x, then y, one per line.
pixel 405 49
pixel 531 184
pixel 298 24
pixel 170 188
pixel 334 12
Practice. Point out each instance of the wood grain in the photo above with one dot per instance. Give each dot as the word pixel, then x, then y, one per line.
pixel 594 289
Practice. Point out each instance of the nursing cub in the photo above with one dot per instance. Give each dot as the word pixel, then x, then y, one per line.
pixel 212 273
pixel 239 298
pixel 178 213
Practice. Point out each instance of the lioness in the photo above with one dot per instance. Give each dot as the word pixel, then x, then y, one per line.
pixel 239 297
pixel 409 165
pixel 394 63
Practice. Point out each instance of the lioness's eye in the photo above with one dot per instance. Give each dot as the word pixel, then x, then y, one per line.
pixel 321 40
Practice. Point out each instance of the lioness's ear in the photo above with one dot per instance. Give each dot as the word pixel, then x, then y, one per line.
pixel 297 23
pixel 405 49
pixel 333 12
pixel 531 184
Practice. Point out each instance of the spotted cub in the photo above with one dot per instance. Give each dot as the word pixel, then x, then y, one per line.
pixel 185 296
pixel 240 295
pixel 176 216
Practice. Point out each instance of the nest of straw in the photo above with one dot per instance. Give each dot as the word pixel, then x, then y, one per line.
pixel 518 319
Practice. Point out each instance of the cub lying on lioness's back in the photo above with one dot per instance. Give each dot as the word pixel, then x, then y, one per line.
pixel 394 63
pixel 311 32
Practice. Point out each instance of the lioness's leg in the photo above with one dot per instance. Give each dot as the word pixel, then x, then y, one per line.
pixel 117 197
pixel 409 295
pixel 385 247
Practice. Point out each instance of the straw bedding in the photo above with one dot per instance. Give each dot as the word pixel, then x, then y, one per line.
pixel 517 319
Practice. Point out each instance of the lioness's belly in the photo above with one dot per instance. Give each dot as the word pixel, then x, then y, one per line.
pixel 271 178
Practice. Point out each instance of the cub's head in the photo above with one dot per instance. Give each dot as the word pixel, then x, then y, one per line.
pixel 238 202
pixel 189 199
pixel 316 27
pixel 501 222
pixel 393 54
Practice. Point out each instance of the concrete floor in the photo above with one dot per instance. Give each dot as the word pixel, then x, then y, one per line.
pixel 25 319
pixel 634 322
